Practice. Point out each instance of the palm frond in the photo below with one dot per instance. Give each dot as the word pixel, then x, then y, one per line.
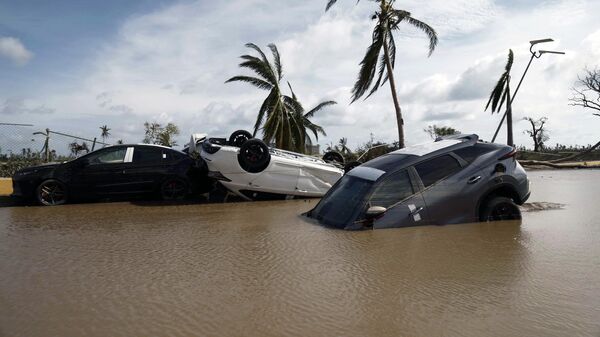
pixel 264 109
pixel 260 68
pixel 509 62
pixel 319 106
pixel 257 82
pixel 430 32
pixel 368 64
pixel 277 60
pixel 329 4
pixel 259 51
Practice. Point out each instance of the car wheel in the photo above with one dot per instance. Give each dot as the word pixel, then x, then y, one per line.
pixel 348 167
pixel 51 193
pixel 254 156
pixel 500 208
pixel 333 157
pixel 239 137
pixel 174 189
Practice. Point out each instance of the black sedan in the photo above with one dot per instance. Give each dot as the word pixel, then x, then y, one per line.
pixel 115 171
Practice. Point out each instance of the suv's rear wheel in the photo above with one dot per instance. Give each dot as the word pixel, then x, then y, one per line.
pixel 500 208
pixel 51 193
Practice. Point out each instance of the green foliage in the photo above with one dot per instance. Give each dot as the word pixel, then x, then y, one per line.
pixel 502 89
pixel 435 131
pixel 282 118
pixel 157 134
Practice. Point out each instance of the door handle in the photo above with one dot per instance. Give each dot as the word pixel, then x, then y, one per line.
pixel 416 210
pixel 473 180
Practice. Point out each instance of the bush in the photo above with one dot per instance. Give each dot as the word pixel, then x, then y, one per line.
pixel 13 164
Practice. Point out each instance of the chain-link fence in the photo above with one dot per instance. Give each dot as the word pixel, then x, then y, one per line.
pixel 23 145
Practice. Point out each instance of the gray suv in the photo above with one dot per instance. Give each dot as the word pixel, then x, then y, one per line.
pixel 455 179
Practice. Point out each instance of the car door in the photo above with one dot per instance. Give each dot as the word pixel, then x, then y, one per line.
pixel 101 173
pixel 149 168
pixel 448 189
pixel 405 204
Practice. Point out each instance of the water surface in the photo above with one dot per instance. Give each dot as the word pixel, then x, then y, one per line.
pixel 258 269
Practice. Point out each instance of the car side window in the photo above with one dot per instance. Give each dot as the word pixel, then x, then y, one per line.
pixel 392 190
pixel 147 155
pixel 171 156
pixel 470 153
pixel 109 156
pixel 436 169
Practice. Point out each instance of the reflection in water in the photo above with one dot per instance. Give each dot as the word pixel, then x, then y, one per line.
pixel 259 269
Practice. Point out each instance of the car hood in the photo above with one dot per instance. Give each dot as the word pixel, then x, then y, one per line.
pixel 38 168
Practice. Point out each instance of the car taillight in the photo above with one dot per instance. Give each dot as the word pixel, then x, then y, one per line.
pixel 511 154
pixel 210 148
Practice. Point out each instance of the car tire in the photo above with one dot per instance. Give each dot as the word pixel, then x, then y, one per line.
pixel 174 189
pixel 51 192
pixel 333 157
pixel 254 156
pixel 500 208
pixel 348 167
pixel 239 137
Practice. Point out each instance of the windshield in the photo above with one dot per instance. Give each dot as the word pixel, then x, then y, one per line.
pixel 343 203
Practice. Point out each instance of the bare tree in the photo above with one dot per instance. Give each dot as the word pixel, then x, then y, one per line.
pixel 538 133
pixel 586 92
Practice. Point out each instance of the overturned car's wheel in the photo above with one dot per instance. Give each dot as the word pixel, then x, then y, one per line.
pixel 254 156
pixel 333 157
pixel 348 167
pixel 500 208
pixel 174 189
pixel 239 137
pixel 51 193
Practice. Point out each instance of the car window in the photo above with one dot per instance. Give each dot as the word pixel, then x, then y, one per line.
pixel 109 156
pixel 436 169
pixel 470 153
pixel 147 155
pixel 392 190
pixel 169 155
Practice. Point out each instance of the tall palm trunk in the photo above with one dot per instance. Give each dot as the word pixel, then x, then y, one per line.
pixel 509 122
pixel 390 73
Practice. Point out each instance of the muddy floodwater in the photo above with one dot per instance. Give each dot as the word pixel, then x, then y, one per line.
pixel 259 269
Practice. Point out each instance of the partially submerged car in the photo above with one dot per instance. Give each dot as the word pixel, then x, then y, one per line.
pixel 457 179
pixel 249 168
pixel 114 171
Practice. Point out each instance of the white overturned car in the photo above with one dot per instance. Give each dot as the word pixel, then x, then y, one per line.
pixel 250 169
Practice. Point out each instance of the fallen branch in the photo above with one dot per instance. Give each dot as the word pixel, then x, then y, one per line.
pixel 553 165
pixel 573 156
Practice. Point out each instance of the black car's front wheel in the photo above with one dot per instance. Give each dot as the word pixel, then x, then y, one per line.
pixel 500 208
pixel 174 189
pixel 51 193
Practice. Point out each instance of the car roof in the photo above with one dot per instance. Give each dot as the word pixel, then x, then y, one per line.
pixel 143 144
pixel 411 155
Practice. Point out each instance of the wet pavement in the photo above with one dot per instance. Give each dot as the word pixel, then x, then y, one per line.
pixel 259 269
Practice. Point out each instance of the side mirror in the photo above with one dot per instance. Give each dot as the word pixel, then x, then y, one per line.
pixel 375 212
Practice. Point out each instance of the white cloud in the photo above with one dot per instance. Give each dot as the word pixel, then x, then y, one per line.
pixel 14 50
pixel 170 65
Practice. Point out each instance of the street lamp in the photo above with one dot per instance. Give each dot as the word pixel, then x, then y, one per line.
pixel 536 55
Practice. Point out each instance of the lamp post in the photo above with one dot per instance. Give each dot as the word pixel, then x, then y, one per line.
pixel 536 55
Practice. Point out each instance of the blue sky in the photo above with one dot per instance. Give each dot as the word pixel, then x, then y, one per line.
pixel 75 65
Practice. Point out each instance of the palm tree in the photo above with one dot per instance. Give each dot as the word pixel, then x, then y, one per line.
pixel 381 54
pixel 501 94
pixel 300 120
pixel 283 119
pixel 276 126
pixel 105 133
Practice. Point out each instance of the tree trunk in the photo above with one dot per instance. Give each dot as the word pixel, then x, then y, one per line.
pixel 509 124
pixel 390 73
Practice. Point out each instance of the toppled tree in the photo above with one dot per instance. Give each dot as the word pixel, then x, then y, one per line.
pixel 586 92
pixel 435 131
pixel 77 148
pixel 538 132
pixel 156 134
pixel 501 94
